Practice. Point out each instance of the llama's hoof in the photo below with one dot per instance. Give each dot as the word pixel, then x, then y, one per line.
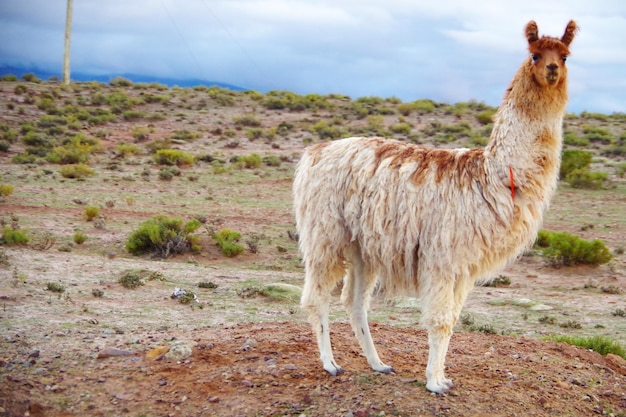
pixel 333 369
pixel 439 387
pixel 384 369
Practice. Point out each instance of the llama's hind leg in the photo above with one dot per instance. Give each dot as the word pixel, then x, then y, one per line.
pixel 316 296
pixel 358 286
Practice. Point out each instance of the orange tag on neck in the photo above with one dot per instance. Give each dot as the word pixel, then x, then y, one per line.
pixel 512 183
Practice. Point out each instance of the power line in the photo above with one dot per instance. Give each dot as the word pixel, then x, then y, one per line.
pixel 233 39
pixel 180 34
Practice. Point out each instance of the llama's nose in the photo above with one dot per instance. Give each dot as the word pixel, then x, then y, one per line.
pixel 552 67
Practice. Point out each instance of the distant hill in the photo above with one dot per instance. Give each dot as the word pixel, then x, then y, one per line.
pixel 105 78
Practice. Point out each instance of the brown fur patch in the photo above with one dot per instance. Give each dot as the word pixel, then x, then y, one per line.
pixel 548 43
pixel 315 151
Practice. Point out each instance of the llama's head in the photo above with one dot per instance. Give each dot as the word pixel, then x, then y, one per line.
pixel 548 54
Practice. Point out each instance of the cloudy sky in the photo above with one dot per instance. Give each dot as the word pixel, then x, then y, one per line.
pixel 446 50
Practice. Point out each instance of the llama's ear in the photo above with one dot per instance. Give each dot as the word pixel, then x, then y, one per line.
pixel 570 32
pixel 532 31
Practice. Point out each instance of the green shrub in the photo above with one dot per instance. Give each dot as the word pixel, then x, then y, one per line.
pixel 251 161
pixel 185 135
pixel 164 236
pixel 6 190
pixel 326 131
pixel 55 287
pixel 485 117
pixel 126 149
pixel 11 236
pixel 120 82
pixel 169 172
pixel 131 279
pixel 30 78
pixel 272 160
pixel 583 178
pixel 564 249
pixel 173 157
pixel 572 139
pixel 76 171
pixel 248 120
pixel 9 77
pixel 573 159
pixel 79 237
pixel 71 153
pixel 597 134
pixel 131 115
pixel 601 344
pixel 227 240
pixel 401 128
pixel 91 212
pixel 424 106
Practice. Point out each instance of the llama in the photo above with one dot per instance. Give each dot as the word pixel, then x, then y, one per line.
pixel 431 223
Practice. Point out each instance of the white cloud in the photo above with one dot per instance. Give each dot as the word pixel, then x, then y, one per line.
pixel 451 50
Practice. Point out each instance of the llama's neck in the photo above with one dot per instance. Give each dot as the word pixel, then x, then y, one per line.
pixel 527 133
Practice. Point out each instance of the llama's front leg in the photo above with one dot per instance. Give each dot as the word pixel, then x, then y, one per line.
pixel 438 341
pixel 440 315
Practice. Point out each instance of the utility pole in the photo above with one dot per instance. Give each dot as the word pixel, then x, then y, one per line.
pixel 68 35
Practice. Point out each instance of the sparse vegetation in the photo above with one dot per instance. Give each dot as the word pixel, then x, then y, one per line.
pixel 115 129
pixel 601 344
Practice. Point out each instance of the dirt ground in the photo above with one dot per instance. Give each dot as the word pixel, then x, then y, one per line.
pixel 141 353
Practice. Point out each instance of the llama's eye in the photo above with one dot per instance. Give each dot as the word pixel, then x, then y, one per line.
pixel 535 57
pixel 564 58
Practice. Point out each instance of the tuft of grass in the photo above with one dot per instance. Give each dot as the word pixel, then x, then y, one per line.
pixel 547 320
pixel 227 240
pixel 91 212
pixel 164 236
pixel 282 292
pixel 97 293
pixel 571 324
pixel 131 279
pixel 6 190
pixel 55 287
pixel 207 284
pixel 13 236
pixel 601 344
pixel 79 237
pixel 251 161
pixel 499 281
pixel 173 157
pixel 76 171
pixel 564 249
pixel 574 159
pixel 612 289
